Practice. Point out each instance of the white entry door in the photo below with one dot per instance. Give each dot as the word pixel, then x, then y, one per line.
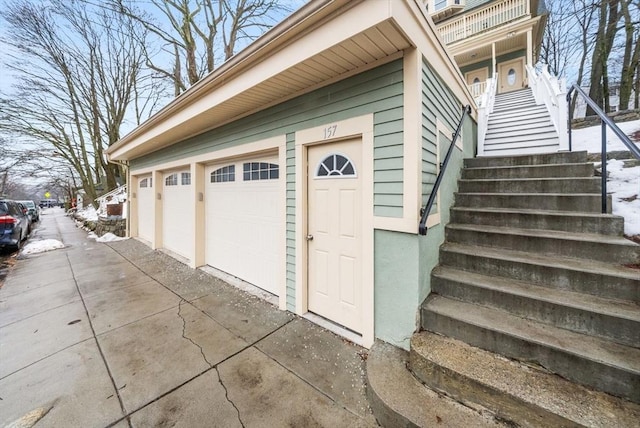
pixel 335 232
pixel 511 76
pixel 146 208
pixel 243 220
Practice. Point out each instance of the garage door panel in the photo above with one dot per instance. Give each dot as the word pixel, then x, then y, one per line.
pixel 242 226
pixel 146 208
pixel 177 219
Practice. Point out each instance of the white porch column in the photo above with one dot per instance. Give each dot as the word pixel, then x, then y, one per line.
pixel 529 48
pixel 493 57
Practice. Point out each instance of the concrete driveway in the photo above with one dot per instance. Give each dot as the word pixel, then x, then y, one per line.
pixel 102 335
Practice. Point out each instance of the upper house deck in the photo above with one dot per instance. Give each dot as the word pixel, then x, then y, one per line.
pixel 480 20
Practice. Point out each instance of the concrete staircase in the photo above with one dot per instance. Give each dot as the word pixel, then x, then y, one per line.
pixel 534 314
pixel 519 126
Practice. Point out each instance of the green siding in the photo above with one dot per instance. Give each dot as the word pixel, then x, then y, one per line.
pixel 438 102
pixel 403 262
pixel 388 161
pixel 378 91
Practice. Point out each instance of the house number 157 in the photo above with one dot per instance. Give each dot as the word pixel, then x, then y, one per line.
pixel 330 131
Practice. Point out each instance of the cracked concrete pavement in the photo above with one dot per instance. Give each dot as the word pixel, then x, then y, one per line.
pixel 119 335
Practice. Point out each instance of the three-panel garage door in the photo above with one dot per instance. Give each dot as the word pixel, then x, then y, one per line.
pixel 242 219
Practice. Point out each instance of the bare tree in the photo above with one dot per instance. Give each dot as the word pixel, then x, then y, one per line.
pixel 197 34
pixel 559 48
pixel 81 70
pixel 609 15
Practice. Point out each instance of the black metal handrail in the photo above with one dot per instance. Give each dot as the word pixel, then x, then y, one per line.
pixel 422 227
pixel 606 121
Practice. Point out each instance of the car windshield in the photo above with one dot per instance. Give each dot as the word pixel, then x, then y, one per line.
pixel 28 204
pixel 4 209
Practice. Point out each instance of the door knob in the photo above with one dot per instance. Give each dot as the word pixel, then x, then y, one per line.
pixel 309 237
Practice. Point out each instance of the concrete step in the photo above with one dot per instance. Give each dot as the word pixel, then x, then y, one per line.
pixel 555 272
pixel 579 170
pixel 583 202
pixel 521 394
pixel 398 399
pixel 616 320
pixel 602 364
pixel 532 185
pixel 612 249
pixel 527 160
pixel 605 224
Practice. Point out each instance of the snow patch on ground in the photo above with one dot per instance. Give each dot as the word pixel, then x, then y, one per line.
pixel 88 213
pixel 622 183
pixel 42 246
pixel 107 237
pixel 589 138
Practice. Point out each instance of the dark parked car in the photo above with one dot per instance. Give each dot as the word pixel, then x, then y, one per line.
pixel 14 224
pixel 34 210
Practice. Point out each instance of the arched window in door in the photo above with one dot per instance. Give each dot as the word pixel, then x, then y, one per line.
pixel 335 165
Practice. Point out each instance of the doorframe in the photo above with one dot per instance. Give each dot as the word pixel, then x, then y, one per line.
pixel 359 127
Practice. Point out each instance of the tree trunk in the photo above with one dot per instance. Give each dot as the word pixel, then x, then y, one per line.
pixel 599 88
pixel 630 58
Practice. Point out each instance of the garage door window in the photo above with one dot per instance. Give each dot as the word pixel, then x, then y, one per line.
pixel 260 171
pixel 171 180
pixel 224 174
pixel 145 183
pixel 334 166
pixel 185 178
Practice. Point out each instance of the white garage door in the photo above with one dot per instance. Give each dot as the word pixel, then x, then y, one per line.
pixel 177 213
pixel 242 220
pixel 145 208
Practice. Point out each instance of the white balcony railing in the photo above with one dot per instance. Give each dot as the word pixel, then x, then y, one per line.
pixel 551 91
pixel 439 9
pixel 485 108
pixel 477 89
pixel 496 14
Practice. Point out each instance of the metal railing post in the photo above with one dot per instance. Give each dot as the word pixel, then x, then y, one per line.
pixel 569 117
pixel 606 121
pixel 604 166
